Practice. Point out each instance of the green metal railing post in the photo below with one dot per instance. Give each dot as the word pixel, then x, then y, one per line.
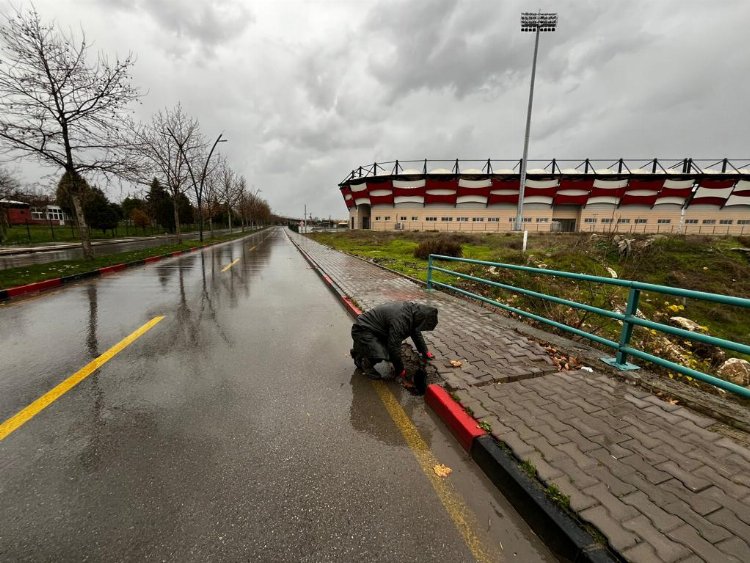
pixel 631 310
pixel 429 272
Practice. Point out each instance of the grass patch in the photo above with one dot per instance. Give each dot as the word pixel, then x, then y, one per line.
pixel 23 275
pixel 558 497
pixel 486 426
pixel 19 235
pixel 528 468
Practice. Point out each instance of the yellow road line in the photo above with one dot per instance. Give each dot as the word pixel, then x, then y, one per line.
pixel 232 263
pixel 26 414
pixel 457 510
pixel 253 247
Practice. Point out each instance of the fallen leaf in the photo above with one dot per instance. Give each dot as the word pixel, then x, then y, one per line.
pixel 456 363
pixel 442 470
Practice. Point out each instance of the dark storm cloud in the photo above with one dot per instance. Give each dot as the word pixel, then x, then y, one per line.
pixel 210 22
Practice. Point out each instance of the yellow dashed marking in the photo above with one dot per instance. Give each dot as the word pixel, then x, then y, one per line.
pixel 232 263
pixel 23 416
pixel 452 502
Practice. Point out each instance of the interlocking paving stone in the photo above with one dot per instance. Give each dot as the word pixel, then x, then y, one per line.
pixel 654 477
pixel 664 521
pixel 619 537
pixel 736 548
pixel 689 537
pixel 666 549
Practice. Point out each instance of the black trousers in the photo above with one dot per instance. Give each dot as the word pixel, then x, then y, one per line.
pixel 368 345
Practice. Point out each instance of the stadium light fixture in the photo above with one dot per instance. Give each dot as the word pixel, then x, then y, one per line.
pixel 534 22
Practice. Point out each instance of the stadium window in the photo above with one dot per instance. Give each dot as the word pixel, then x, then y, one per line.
pixel 607 220
pixel 527 219
pixel 388 218
pixel 462 218
pixel 664 221
pixel 377 218
pixel 430 218
pixel 709 221
pixel 623 220
pixel 511 219
pixel 415 218
pixel 542 219
pixel 743 221
pixel 477 219
pixel 725 222
pixel 691 221
pixel 446 218
pixel 403 219
pixel 641 221
pixel 590 220
pixel 493 219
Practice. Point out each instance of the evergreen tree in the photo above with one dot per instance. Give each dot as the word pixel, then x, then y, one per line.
pixel 100 213
pixel 130 203
pixel 185 209
pixel 160 206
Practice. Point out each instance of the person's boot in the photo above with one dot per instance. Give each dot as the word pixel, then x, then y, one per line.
pixel 368 368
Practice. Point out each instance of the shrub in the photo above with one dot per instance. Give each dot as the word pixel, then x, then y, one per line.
pixel 440 245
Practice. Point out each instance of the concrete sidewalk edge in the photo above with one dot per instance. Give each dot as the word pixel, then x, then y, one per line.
pixel 564 534
pixel 38 287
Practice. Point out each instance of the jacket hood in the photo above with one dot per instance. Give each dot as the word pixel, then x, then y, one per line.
pixel 425 317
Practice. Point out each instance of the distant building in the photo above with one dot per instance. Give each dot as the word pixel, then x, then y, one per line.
pixel 53 213
pixel 20 213
pixel 682 198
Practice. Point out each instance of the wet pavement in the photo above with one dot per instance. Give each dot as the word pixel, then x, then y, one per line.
pixel 12 257
pixel 235 429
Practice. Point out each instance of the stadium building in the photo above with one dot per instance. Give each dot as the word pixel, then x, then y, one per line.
pixel 655 196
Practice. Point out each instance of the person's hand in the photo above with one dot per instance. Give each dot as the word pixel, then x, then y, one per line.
pixel 429 355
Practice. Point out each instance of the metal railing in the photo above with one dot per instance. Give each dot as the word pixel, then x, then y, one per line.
pixel 628 318
pixel 552 167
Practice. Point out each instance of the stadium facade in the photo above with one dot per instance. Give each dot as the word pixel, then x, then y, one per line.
pixel 645 196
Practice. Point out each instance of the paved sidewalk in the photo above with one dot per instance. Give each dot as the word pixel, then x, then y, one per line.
pixel 653 477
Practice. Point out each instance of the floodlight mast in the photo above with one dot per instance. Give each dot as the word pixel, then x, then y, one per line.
pixel 534 22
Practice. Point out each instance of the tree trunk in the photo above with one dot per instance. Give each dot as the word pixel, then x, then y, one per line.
pixel 177 232
pixel 3 227
pixel 229 209
pixel 83 230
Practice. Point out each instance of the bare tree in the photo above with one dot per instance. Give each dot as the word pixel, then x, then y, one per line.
pixel 58 107
pixel 230 190
pixel 165 146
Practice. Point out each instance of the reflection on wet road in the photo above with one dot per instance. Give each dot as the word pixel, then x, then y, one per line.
pixel 234 429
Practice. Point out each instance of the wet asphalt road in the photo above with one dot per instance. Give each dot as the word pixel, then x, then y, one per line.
pixel 235 429
pixel 74 252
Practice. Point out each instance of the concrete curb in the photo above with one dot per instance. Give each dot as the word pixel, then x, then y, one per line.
pixel 559 530
pixel 346 301
pixel 37 287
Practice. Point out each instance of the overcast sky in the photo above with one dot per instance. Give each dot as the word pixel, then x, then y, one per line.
pixel 307 90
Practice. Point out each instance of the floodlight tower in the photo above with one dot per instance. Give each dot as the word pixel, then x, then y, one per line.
pixel 534 22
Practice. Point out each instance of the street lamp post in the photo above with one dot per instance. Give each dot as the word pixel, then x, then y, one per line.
pixel 533 22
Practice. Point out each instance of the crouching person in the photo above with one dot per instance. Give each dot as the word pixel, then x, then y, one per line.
pixel 379 332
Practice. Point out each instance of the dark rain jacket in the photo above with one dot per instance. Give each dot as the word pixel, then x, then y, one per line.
pixel 390 324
